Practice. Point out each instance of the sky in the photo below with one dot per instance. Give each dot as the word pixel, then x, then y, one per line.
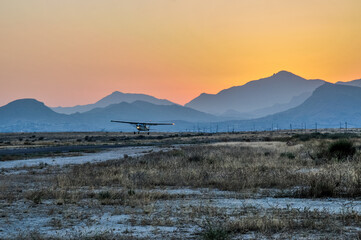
pixel 72 52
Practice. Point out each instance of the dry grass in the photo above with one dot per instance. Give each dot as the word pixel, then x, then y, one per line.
pixel 126 186
pixel 278 220
pixel 274 223
pixel 229 167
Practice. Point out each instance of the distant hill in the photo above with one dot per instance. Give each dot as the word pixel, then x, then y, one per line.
pixel 265 95
pixel 295 101
pixel 115 97
pixel 27 109
pixel 28 115
pixel 355 83
pixel 145 111
pixel 328 106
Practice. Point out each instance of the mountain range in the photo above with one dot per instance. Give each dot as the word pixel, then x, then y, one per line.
pixel 32 115
pixel 115 97
pixel 355 83
pixel 329 106
pixel 260 97
pixel 290 100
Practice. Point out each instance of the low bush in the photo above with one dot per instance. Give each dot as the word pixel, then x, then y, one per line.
pixel 342 149
pixel 215 232
pixel 339 150
pixel 288 155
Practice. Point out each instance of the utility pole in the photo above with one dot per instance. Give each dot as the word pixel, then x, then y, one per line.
pixel 345 127
pixel 316 127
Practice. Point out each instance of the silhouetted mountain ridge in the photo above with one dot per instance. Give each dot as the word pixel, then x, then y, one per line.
pixel 355 83
pixel 255 95
pixel 32 115
pixel 145 111
pixel 115 97
pixel 27 109
pixel 328 106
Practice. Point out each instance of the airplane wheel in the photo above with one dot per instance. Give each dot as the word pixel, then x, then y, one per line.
pixel 134 132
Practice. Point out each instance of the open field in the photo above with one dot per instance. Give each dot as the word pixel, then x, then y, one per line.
pixel 261 185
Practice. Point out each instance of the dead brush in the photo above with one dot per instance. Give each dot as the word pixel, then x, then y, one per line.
pixel 226 167
pixel 289 220
pixel 336 180
pixel 326 151
pixel 36 196
pixel 130 197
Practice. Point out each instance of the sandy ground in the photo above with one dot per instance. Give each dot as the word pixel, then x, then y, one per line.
pixel 181 216
pixel 86 157
pixel 176 218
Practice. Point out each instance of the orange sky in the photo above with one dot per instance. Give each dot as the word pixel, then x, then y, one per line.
pixel 75 52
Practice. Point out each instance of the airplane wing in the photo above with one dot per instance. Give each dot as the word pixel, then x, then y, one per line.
pixel 125 122
pixel 152 123
pixel 146 123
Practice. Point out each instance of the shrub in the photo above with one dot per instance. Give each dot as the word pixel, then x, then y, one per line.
pixel 214 232
pixel 104 195
pixel 195 158
pixel 289 155
pixel 35 196
pixel 341 149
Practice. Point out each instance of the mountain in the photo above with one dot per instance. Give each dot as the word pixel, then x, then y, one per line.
pixel 328 106
pixel 295 101
pixel 26 115
pixel 145 111
pixel 142 111
pixel 115 97
pixel 30 115
pixel 265 93
pixel 27 109
pixel 355 83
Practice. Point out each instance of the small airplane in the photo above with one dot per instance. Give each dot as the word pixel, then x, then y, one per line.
pixel 142 126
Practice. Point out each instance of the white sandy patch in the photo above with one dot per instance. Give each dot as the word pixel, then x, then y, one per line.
pixel 87 157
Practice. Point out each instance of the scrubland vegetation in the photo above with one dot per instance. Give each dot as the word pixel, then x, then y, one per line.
pixel 253 186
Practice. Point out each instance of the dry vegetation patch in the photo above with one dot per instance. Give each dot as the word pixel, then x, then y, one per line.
pixel 134 192
pixel 232 167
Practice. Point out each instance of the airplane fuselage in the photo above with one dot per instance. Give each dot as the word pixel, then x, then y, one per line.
pixel 142 127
